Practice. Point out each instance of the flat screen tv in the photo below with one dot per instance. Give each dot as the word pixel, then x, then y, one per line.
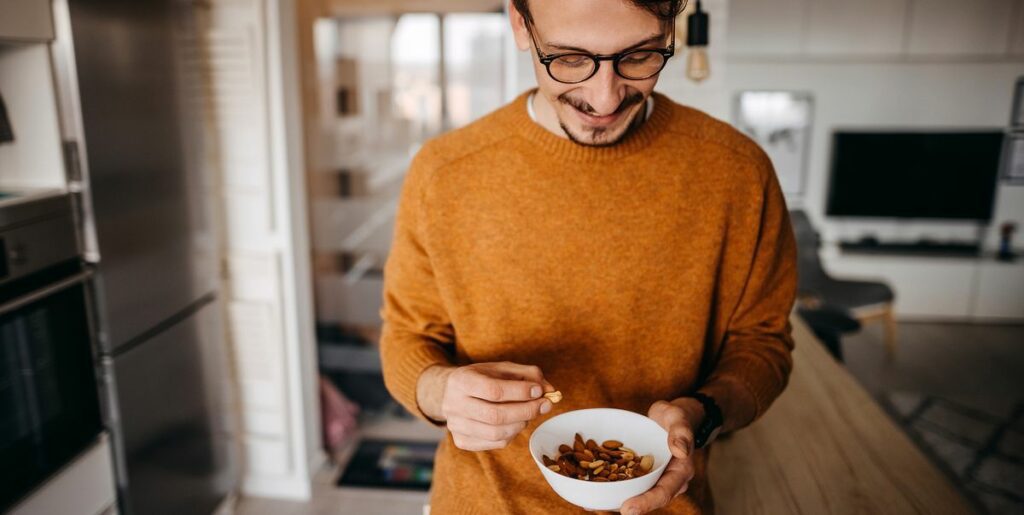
pixel 936 175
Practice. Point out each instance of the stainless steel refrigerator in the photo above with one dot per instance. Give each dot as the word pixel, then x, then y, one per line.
pixel 146 212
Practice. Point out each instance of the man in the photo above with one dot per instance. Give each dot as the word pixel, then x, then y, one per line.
pixel 595 237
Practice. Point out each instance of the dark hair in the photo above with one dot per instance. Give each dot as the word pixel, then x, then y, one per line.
pixel 665 10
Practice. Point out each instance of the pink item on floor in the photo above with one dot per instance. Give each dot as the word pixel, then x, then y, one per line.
pixel 338 415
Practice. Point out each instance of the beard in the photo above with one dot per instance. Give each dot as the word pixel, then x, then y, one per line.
pixel 601 136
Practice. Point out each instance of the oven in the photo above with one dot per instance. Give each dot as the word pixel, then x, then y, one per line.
pixel 49 402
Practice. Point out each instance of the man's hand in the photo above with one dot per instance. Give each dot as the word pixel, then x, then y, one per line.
pixel 485 405
pixel 680 418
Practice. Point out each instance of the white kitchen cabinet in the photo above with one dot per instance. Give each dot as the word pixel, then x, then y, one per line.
pixel 1000 290
pixel 925 288
pixel 1017 42
pixel 864 28
pixel 966 289
pixel 35 158
pixel 26 20
pixel 955 27
pixel 760 28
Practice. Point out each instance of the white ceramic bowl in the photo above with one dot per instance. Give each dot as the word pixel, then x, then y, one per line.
pixel 636 431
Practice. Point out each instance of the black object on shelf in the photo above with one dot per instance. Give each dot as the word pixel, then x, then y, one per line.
pixel 1006 231
pixel 392 464
pixel 6 130
pixel 917 248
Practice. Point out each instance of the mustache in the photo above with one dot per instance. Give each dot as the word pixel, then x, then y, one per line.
pixel 631 100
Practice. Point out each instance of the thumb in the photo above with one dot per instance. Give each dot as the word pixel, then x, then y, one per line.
pixel 680 442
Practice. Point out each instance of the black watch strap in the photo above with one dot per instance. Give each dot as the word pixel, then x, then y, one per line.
pixel 712 423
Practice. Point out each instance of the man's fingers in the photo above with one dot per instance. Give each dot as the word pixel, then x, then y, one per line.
pixel 510 370
pixel 497 414
pixel 680 441
pixel 481 386
pixel 469 443
pixel 674 481
pixel 482 431
pixel 650 500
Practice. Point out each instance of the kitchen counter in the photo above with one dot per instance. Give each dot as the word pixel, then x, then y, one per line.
pixel 826 447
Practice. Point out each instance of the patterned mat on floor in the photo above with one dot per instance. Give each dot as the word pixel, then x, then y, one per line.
pixel 978 442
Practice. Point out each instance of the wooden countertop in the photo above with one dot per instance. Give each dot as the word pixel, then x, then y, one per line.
pixel 826 447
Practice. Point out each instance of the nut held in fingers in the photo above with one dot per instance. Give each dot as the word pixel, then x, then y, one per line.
pixel 554 396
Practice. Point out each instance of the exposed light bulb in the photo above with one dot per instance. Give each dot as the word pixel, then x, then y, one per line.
pixel 697 66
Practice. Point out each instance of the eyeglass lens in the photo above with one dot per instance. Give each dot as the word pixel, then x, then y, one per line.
pixel 636 65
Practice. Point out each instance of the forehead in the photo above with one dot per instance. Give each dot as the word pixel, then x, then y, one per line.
pixel 601 26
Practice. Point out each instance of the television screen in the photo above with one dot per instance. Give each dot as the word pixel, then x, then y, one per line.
pixel 941 175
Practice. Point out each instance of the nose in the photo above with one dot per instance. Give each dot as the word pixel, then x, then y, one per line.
pixel 604 93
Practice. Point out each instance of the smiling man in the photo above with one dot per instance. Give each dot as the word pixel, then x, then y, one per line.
pixel 595 236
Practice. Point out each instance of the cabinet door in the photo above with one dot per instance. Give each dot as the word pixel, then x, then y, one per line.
pixel 865 28
pixel 954 27
pixel 26 20
pixel 757 27
pixel 1000 291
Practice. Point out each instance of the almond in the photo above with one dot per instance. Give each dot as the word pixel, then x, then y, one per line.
pixel 589 461
pixel 646 462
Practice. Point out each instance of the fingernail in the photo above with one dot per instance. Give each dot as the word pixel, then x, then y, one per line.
pixel 545 407
pixel 535 392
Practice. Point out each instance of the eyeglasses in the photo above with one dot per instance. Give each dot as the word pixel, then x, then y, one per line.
pixel 576 67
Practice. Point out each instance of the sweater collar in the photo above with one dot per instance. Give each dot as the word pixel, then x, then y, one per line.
pixel 544 141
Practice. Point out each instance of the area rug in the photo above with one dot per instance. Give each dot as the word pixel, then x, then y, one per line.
pixel 978 442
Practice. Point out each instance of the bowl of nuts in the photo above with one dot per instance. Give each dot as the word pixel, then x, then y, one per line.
pixel 598 458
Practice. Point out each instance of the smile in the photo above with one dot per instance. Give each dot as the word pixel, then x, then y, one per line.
pixel 598 120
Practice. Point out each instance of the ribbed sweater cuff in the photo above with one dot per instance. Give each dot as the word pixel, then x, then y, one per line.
pixel 402 373
pixel 742 393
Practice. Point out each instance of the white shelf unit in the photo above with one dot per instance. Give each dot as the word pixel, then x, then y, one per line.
pixel 962 289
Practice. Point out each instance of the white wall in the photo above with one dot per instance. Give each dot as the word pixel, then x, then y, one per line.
pixel 884 63
pixel 895 95
pixel 34 159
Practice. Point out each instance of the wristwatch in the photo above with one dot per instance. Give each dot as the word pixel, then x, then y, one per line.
pixel 712 424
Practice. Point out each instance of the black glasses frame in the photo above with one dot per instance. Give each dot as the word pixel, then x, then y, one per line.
pixel 547 59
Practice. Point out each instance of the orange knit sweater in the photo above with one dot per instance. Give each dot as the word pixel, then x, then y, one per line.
pixel 642 271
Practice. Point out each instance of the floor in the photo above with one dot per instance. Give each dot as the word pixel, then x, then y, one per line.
pixel 958 390
pixel 940 373
pixel 328 499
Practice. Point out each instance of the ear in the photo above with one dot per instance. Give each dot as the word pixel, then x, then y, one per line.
pixel 519 32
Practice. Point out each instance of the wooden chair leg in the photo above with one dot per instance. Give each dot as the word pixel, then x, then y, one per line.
pixel 890 332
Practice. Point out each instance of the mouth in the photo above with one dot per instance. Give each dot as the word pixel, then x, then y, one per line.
pixel 600 121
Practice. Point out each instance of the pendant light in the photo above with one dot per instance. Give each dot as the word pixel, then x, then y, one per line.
pixel 697 65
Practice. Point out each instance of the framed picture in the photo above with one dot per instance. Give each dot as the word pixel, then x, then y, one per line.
pixel 780 122
pixel 1013 158
pixel 1017 117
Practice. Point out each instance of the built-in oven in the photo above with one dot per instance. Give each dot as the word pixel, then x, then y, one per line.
pixel 49 403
